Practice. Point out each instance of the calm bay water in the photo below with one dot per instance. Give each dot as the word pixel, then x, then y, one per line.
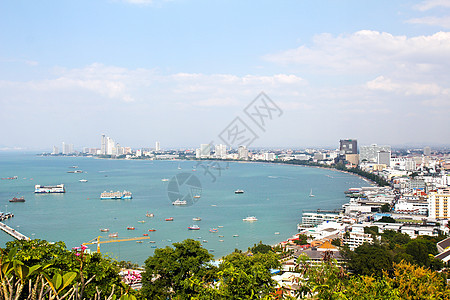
pixel 276 194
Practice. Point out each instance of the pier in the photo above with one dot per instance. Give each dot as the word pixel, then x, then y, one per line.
pixel 12 232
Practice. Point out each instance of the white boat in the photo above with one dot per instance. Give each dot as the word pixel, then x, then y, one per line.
pixel 179 202
pixel 83 180
pixel 250 219
pixel 239 191
pixel 194 227
pixel 164 179
pixel 196 219
pixel 311 194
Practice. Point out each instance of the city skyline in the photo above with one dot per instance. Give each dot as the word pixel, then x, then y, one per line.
pixel 179 72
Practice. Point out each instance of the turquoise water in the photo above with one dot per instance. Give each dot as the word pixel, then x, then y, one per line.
pixel 276 194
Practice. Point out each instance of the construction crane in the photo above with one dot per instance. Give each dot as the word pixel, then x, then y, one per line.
pixel 98 242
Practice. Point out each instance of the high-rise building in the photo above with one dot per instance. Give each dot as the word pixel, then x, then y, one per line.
pixel 157 147
pixel 65 148
pixel 243 153
pixel 55 150
pixel 205 150
pixel 384 158
pixel 438 204
pixel 427 151
pixel 103 145
pixel 220 151
pixel 348 146
pixel 370 153
pixel 110 145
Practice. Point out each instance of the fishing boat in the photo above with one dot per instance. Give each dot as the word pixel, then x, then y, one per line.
pixel 250 219
pixel 194 227
pixel 165 179
pixel 145 234
pixel 15 199
pixel 220 235
pixel 214 230
pixel 113 235
pixel 130 228
pixel 169 219
pixel 239 191
pixel 139 242
pixel 311 194
pixel 236 235
pixel 220 226
pixel 197 196
pixel 83 180
pixel 104 229
pixel 196 219
pixel 141 221
pixel 152 229
pixel 149 215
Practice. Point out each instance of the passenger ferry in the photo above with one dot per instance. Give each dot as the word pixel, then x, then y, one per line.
pixel 49 189
pixel 116 195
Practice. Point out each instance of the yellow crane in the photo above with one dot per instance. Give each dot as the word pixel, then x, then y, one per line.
pixel 98 242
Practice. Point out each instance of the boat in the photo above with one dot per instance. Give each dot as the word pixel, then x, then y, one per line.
pixel 113 235
pixel 220 240
pixel 169 219
pixel 104 229
pixel 149 215
pixel 49 189
pixel 83 180
pixel 220 226
pixel 179 168
pixel 145 234
pixel 236 235
pixel 153 246
pixel 214 230
pixel 194 227
pixel 204 241
pixel 277 233
pixel 165 179
pixel 130 228
pixel 220 235
pixel 152 242
pixel 196 219
pixel 179 202
pixel 10 178
pixel 311 194
pixel 152 229
pixel 238 191
pixel 139 242
pixel 15 199
pixel 116 195
pixel 141 221
pixel 197 196
pixel 250 219
pixel 76 171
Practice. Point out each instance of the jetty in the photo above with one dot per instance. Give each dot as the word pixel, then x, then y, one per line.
pixel 12 232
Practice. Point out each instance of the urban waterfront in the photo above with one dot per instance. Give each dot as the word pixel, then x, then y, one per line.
pixel 275 194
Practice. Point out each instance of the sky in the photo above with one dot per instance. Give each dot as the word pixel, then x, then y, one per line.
pixel 181 71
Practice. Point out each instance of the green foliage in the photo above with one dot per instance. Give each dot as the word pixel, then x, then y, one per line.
pixel 373 230
pixel 261 248
pixel 168 271
pixel 385 208
pixel 369 259
pixel 393 238
pixel 302 240
pixel 336 242
pixel 386 219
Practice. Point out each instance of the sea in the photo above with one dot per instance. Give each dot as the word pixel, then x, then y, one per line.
pixel 275 194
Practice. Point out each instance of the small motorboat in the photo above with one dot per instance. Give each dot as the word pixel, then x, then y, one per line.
pixel 152 229
pixel 130 228
pixel 104 229
pixel 139 242
pixel 149 215
pixel 145 234
pixel 236 235
pixel 196 219
pixel 113 235
pixel 239 191
pixel 15 199
pixel 141 221
pixel 214 230
pixel 169 219
pixel 194 227
pixel 197 196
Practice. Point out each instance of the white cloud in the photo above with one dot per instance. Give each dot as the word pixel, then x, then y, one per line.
pixel 430 4
pixel 432 21
pixel 407 88
pixel 368 51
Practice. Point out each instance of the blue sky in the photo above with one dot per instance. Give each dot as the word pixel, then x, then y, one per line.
pixel 180 71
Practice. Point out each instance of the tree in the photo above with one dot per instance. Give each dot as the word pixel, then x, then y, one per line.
pixel 386 219
pixel 369 259
pixel 385 208
pixel 302 240
pixel 261 248
pixel 168 271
